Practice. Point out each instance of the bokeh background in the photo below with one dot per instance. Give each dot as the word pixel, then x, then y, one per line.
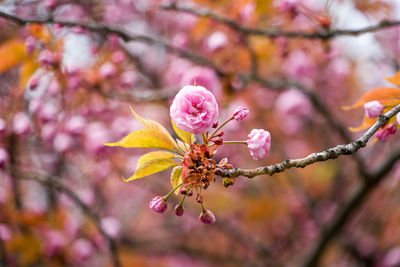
pixel 65 89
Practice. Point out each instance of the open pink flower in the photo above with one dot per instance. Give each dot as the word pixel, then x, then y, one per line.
pixel 194 109
pixel 259 143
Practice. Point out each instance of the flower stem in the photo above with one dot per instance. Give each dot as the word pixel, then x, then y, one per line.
pixel 172 191
pixel 220 127
pixel 236 142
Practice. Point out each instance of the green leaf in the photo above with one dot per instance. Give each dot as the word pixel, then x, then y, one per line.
pixel 151 167
pixel 150 124
pixel 145 138
pixel 153 156
pixel 185 136
pixel 176 178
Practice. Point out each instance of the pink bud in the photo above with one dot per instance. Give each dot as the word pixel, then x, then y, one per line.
pixel 51 4
pixel 382 135
pixel 82 250
pixel 3 157
pixel 179 210
pixel 207 217
pixel 47 58
pixel 373 109
pixel 158 204
pixel 3 126
pixel 111 226
pixel 107 70
pixel 30 44
pixel 62 142
pixel 21 123
pixel 118 57
pixel 259 143
pixel 240 113
pixel 215 124
pixel 391 128
pixel 5 232
pixel 48 112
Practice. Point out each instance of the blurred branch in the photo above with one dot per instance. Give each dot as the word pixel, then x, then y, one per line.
pixel 12 152
pixel 329 34
pixel 41 178
pixel 344 214
pixel 331 153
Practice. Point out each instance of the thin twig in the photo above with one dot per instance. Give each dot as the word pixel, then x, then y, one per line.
pixel 85 209
pixel 208 13
pixel 331 153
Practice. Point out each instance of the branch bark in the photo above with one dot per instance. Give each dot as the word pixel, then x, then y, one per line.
pixel 271 33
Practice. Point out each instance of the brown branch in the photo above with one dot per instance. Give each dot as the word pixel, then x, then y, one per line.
pixel 348 209
pixel 85 209
pixel 205 12
pixel 331 153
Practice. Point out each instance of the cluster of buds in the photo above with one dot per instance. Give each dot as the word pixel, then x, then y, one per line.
pixel 195 110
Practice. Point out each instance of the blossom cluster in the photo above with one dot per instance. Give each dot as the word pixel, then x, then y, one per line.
pixel 194 110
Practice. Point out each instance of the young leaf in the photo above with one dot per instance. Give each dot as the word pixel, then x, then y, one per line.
pixel 176 178
pixel 150 124
pixel 145 138
pixel 185 136
pixel 395 79
pixel 12 53
pixel 153 156
pixel 387 97
pixel 367 123
pixel 151 167
pixel 182 146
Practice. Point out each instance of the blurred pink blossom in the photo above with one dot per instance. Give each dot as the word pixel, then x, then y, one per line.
pixel 107 70
pixel 21 123
pixel 216 41
pixel 128 78
pixel 3 157
pixel 75 125
pixel 259 143
pixel 111 226
pixel 55 241
pixel 82 250
pixel 3 126
pixel 5 232
pixel 62 142
pixel 203 76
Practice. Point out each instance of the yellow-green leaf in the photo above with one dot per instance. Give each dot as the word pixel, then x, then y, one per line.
pixel 145 138
pixel 151 167
pixel 153 156
pixel 150 124
pixel 176 178
pixel 185 136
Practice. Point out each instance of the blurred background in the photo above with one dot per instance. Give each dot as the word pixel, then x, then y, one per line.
pixel 65 89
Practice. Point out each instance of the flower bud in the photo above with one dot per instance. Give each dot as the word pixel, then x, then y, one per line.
pixel 259 143
pixel 178 210
pixel 3 126
pixel 373 109
pixel 240 113
pixel 215 124
pixel 382 135
pixel 391 128
pixel 3 157
pixel 207 217
pixel 107 70
pixel 158 204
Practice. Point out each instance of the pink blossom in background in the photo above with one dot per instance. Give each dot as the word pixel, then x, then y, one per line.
pixel 175 70
pixel 49 111
pixel 203 76
pixel 75 124
pixel 47 58
pixel 194 109
pixel 107 70
pixel 3 157
pixel 373 109
pixel 180 40
pixel 82 250
pixel 3 126
pixel 62 142
pixel 55 241
pixel 5 232
pixel 216 41
pixel 247 11
pixel 21 123
pixel 128 78
pixel 300 65
pixel 111 226
pixel 259 143
pixel 48 131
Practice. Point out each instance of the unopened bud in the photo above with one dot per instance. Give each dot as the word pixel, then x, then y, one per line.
pixel 199 199
pixel 215 124
pixel 207 217
pixel 240 113
pixel 178 210
pixel 158 204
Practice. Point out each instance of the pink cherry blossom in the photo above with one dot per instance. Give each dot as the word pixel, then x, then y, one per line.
pixel 373 109
pixel 21 123
pixel 216 41
pixel 107 70
pixel 240 113
pixel 207 217
pixel 158 204
pixel 259 143
pixel 111 226
pixel 194 109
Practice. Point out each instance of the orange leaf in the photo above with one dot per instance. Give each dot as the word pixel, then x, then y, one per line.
pixel 395 79
pixel 387 97
pixel 27 69
pixel 40 32
pixel 368 122
pixel 11 53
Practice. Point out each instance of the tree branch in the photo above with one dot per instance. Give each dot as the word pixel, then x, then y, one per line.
pixel 85 209
pixel 205 12
pixel 331 153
